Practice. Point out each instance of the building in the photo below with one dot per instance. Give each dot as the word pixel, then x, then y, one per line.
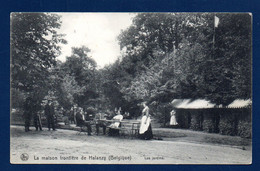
pixel 203 115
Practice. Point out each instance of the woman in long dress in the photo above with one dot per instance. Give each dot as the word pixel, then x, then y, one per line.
pixel 145 131
pixel 173 121
pixel 113 128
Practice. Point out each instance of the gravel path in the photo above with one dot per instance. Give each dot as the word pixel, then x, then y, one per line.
pixel 64 146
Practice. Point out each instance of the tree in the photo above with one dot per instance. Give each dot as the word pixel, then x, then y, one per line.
pixel 158 32
pixel 113 79
pixel 164 65
pixel 79 76
pixel 229 69
pixel 161 43
pixel 34 47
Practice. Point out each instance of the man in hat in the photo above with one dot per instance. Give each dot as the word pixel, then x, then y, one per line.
pixel 49 112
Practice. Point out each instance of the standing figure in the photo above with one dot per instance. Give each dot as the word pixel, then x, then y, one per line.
pixel 119 111
pixel 114 114
pixel 71 115
pixel 79 116
pixel 145 131
pixel 37 121
pixel 49 112
pixel 27 113
pixel 173 121
pixel 74 112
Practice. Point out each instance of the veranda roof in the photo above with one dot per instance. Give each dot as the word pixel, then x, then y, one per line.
pixel 203 104
pixel 239 103
pixel 192 104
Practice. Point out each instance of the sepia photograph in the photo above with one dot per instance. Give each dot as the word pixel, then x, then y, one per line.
pixel 130 88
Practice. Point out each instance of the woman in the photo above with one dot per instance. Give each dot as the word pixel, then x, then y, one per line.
pixel 145 131
pixel 173 121
pixel 113 128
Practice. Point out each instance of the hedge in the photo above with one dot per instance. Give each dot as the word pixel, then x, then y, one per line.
pixel 244 128
pixel 226 121
pixel 183 118
pixel 211 121
pixel 196 121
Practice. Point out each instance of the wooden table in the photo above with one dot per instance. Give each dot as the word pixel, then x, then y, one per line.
pixel 106 120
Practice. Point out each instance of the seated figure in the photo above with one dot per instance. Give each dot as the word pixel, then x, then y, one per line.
pixel 113 127
pixel 80 119
pixel 99 123
pixel 117 119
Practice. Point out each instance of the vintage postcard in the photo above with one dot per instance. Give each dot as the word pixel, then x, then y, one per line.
pixel 131 88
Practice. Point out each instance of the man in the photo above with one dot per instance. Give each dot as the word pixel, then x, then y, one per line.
pixel 99 123
pixel 49 112
pixel 73 112
pixel 27 113
pixel 37 121
pixel 37 115
pixel 80 119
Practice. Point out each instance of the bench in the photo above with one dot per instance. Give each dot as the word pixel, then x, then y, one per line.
pixel 127 127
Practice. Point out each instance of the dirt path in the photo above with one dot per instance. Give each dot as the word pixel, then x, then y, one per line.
pixel 64 146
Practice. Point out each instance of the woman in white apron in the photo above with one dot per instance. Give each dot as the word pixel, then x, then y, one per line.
pixel 145 131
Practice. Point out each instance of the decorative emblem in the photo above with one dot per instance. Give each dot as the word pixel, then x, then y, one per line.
pixel 24 157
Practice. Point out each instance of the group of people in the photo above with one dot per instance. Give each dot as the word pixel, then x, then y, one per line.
pixel 31 108
pixel 145 131
pixel 81 118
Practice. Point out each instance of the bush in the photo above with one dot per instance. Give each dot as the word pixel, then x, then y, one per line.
pixel 236 122
pixel 208 125
pixel 91 110
pixel 17 117
pixel 211 120
pixel 245 129
pixel 183 118
pixel 162 113
pixel 228 122
pixel 196 121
